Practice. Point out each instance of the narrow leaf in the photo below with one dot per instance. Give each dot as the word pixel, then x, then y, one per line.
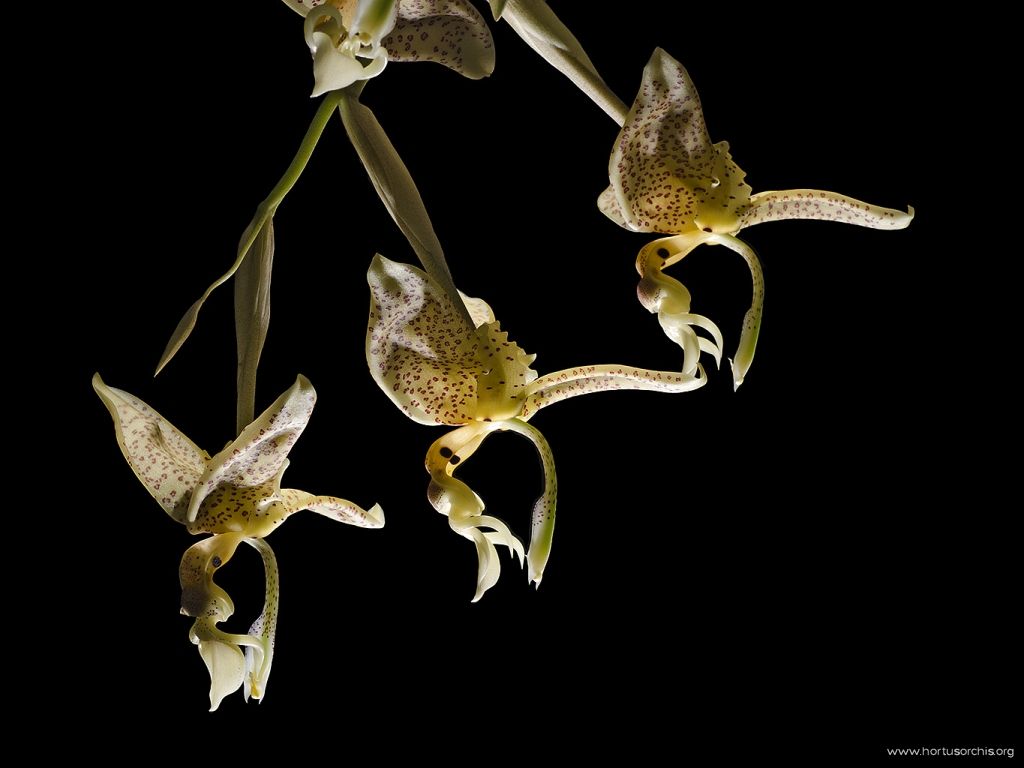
pixel 252 318
pixel 398 192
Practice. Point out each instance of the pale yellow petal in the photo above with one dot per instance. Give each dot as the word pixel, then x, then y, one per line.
pixel 572 382
pixel 258 661
pixel 210 605
pixel 752 319
pixel 335 69
pixel 201 598
pixel 464 508
pixel 258 454
pixel 542 528
pixel 421 351
pixel 608 204
pixel 448 32
pixel 226 666
pixel 670 300
pixel 507 375
pixel 167 463
pixel 373 20
pixel 431 360
pixel 345 511
pixel 480 311
pixel 665 173
pixel 822 206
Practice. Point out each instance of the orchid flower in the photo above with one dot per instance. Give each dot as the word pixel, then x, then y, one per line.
pixel 341 32
pixel 667 177
pixel 237 496
pixel 444 364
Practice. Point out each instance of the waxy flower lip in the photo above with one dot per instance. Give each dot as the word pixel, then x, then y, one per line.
pixel 236 496
pixel 666 176
pixel 444 364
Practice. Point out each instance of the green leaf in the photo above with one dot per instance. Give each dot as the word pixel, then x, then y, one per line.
pixel 543 31
pixel 398 192
pixel 252 318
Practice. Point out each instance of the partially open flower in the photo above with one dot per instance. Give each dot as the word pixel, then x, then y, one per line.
pixel 667 177
pixel 353 40
pixel 237 496
pixel 440 368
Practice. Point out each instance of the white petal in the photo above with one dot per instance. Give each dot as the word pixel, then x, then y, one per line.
pixel 167 463
pixel 226 666
pixel 332 69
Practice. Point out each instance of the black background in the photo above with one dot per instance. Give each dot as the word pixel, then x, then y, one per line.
pixel 821 557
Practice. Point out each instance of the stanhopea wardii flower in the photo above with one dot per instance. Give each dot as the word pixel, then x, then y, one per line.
pixel 236 496
pixel 667 177
pixel 440 368
pixel 353 40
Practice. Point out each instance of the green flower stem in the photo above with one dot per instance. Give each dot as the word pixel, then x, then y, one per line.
pixel 266 209
pixel 250 298
pixel 245 292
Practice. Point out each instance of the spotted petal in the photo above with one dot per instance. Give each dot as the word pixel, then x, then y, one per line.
pixel 342 510
pixel 167 463
pixel 585 379
pixel 258 455
pixel 421 350
pixel 257 663
pixel 542 527
pixel 823 206
pixel 448 32
pixel 665 173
